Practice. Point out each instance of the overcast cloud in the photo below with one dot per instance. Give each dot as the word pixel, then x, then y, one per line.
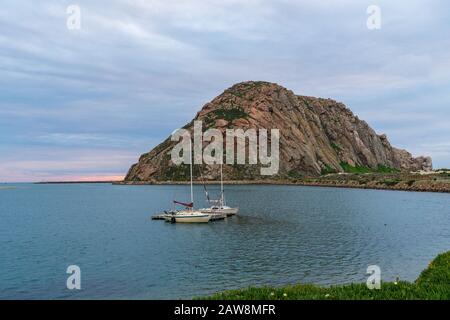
pixel 77 104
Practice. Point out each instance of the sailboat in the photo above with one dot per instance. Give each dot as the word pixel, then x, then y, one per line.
pixel 189 214
pixel 219 209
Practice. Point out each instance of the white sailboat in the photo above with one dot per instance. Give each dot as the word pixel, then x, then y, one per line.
pixel 188 215
pixel 219 209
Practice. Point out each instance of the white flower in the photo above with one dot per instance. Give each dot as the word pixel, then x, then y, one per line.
pixel 284 294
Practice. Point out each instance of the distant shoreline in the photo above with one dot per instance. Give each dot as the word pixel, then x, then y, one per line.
pixel 439 183
pixel 73 182
pixel 423 188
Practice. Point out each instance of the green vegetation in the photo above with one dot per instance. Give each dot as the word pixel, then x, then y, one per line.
pixel 238 94
pixel 336 147
pixel 226 114
pixel 437 276
pixel 230 114
pixel 357 169
pixel 433 283
pixel 177 173
pixel 294 174
pixel 363 169
pixel 327 170
pixel 242 89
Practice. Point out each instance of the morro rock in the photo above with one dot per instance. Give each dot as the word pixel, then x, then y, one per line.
pixel 317 136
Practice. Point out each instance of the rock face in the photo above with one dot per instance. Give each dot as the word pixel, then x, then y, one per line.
pixel 317 136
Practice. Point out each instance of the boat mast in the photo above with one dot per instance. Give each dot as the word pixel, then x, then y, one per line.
pixel 221 185
pixel 190 156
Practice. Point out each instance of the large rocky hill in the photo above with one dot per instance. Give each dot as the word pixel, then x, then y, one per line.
pixel 317 136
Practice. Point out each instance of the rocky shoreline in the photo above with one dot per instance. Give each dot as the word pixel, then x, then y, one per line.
pixel 397 182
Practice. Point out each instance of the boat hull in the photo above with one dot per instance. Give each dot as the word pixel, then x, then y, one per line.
pixel 187 216
pixel 226 211
pixel 217 215
pixel 230 211
pixel 192 219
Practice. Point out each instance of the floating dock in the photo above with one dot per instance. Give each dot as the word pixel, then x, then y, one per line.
pixel 158 216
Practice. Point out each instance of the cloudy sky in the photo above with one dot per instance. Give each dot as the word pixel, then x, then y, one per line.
pixel 84 104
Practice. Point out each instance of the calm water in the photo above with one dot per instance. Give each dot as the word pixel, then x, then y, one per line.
pixel 284 234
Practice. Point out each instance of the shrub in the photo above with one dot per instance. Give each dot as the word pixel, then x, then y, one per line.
pixel 357 169
pixel 327 170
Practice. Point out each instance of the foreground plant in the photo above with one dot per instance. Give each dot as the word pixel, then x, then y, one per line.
pixel 433 283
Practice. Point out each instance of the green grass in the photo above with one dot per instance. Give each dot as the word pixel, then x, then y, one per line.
pixel 437 276
pixel 327 170
pixel 355 169
pixel 433 283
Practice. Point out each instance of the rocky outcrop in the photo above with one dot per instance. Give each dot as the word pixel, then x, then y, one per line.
pixel 317 136
pixel 407 163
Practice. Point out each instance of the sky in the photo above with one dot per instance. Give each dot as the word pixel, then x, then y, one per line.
pixel 83 104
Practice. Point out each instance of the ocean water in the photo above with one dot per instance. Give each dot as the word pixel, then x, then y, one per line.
pixel 283 235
